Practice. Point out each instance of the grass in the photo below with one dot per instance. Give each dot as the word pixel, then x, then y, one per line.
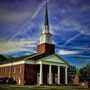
pixel 14 87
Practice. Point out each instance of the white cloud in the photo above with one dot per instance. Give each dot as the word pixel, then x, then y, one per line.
pixel 74 1
pixel 86 8
pixel 13 16
pixel 54 29
pixel 75 26
pixel 67 52
pixel 15 46
pixel 72 38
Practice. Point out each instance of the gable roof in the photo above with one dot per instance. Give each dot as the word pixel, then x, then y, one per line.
pixel 36 56
pixel 54 58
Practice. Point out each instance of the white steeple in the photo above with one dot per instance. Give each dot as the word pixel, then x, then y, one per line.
pixel 45 36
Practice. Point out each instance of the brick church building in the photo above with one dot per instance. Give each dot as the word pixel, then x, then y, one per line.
pixel 43 67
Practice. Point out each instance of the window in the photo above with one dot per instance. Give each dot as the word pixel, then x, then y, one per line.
pixel 14 78
pixel 19 69
pixel 9 70
pixel 56 78
pixel 0 70
pixel 13 70
pixel 5 71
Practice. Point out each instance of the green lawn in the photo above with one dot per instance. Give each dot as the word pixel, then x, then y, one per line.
pixel 15 87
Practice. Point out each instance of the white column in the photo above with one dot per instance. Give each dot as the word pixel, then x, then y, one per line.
pixel 50 74
pixel 41 75
pixel 58 74
pixel 66 80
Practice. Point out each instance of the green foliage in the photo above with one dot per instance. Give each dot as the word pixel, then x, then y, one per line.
pixel 7 80
pixel 85 73
pixel 2 57
pixel 71 73
pixel 72 69
pixel 15 87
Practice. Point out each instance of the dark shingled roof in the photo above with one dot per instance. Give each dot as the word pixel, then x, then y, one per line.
pixel 10 60
pixel 38 56
pixel 34 56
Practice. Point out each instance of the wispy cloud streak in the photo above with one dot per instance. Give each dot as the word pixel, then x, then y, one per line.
pixel 29 21
pixel 73 38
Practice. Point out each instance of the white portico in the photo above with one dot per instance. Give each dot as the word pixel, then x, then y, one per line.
pixel 51 61
pixel 55 71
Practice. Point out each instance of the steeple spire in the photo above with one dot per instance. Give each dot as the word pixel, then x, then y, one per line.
pixel 46 21
pixel 46 16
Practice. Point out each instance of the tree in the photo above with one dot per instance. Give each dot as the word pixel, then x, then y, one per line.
pixel 71 73
pixel 2 57
pixel 85 73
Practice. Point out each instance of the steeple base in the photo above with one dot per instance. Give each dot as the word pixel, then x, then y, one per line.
pixel 46 48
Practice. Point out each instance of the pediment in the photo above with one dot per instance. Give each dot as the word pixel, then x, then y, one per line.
pixel 53 58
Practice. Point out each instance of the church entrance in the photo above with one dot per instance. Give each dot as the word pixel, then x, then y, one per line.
pixel 56 78
pixel 48 78
pixel 38 78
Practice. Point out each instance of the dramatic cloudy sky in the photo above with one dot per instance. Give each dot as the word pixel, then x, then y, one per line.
pixel 21 22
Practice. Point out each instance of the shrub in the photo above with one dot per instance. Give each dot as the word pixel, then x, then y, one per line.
pixel 1 80
pixel 7 80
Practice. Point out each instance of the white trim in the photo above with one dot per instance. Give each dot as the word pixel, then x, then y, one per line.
pixel 13 63
pixel 17 63
pixel 29 62
pixel 33 62
pixel 5 65
pixel 38 62
pixel 52 63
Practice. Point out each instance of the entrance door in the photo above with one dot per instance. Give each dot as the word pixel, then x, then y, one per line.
pixel 38 78
pixel 56 79
pixel 48 78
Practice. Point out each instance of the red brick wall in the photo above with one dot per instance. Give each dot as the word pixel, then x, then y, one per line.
pixel 11 74
pixel 31 73
pixel 46 48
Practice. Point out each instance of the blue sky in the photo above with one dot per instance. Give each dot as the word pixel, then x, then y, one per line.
pixel 21 22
